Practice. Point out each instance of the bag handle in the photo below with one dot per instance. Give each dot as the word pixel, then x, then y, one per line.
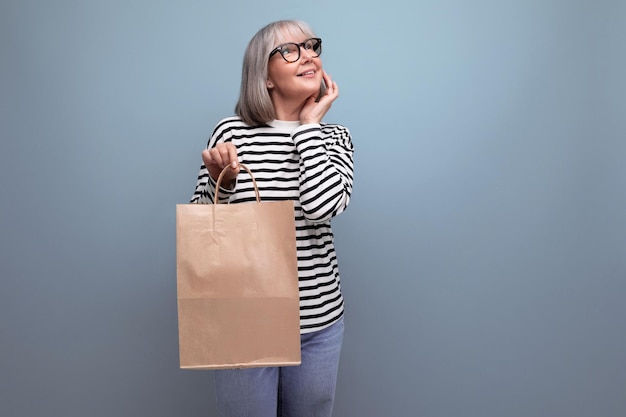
pixel 219 181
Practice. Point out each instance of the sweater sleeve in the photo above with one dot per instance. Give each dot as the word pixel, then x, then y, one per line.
pixel 205 185
pixel 326 169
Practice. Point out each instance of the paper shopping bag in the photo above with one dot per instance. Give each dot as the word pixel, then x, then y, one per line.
pixel 237 284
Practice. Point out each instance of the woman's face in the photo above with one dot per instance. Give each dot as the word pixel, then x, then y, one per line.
pixel 295 81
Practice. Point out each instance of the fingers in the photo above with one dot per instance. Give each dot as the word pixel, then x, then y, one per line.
pixel 314 109
pixel 332 89
pixel 219 157
pixel 331 94
pixel 222 155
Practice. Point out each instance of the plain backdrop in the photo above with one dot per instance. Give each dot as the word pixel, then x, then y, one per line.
pixel 483 256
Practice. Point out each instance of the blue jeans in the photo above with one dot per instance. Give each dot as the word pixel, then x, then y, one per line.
pixel 306 390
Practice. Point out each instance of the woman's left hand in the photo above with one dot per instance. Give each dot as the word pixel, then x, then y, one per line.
pixel 314 110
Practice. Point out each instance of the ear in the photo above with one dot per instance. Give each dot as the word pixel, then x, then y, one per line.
pixel 269 84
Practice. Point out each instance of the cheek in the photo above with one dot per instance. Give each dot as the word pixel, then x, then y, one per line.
pixel 273 70
pixel 277 75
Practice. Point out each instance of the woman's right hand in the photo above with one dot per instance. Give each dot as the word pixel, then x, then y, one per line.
pixel 218 157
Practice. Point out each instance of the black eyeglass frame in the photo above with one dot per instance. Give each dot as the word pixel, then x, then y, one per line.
pixel 301 45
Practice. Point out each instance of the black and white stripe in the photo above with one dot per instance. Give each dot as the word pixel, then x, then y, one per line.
pixel 311 165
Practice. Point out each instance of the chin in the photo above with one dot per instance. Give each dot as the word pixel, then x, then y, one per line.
pixel 314 85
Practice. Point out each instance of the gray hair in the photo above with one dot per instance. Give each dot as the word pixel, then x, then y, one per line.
pixel 255 106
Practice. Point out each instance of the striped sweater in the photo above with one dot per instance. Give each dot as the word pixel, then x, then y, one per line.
pixel 313 166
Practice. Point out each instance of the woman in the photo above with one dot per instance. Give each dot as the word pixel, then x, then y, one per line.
pixel 279 134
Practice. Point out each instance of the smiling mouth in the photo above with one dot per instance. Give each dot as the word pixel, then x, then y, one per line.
pixel 306 73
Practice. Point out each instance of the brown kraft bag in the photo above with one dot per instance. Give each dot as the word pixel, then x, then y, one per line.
pixel 237 284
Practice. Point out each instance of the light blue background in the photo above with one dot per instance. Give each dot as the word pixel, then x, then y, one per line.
pixel 483 256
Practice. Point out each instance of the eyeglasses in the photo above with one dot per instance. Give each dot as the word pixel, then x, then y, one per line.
pixel 290 51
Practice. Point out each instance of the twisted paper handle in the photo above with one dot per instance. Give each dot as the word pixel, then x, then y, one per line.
pixel 219 181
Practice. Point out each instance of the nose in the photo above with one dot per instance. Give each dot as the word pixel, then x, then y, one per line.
pixel 306 54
